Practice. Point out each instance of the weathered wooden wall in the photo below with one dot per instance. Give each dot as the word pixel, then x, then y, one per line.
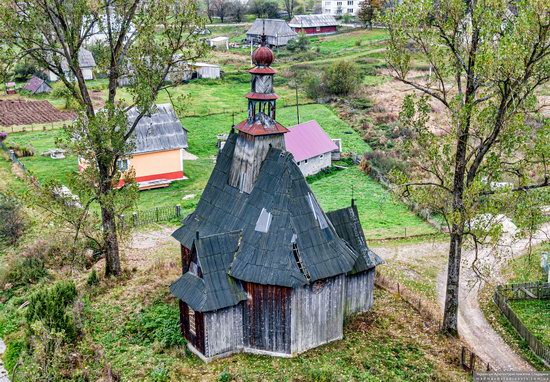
pixel 185 259
pixel 359 292
pixel 317 313
pixel 223 331
pixel 267 318
pixel 197 339
pixel 248 156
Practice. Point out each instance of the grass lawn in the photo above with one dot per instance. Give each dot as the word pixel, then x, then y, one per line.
pixel 535 315
pixel 382 216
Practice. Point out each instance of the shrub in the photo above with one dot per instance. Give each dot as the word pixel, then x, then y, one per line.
pixel 158 323
pixel 24 70
pixel 13 351
pixel 28 269
pixel 93 278
pixel 383 162
pixel 12 222
pixel 313 87
pixel 342 78
pixel 21 151
pixel 49 305
pixel 59 90
pixel 225 376
pixel 300 43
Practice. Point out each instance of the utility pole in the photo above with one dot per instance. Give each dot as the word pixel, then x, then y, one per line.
pixel 297 105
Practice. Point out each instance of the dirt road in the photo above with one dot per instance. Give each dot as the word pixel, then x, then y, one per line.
pixel 472 325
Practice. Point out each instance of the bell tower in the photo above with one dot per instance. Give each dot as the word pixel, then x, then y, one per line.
pixel 259 131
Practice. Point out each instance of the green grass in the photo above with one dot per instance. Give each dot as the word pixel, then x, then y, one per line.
pixel 535 315
pixel 381 215
pixel 526 268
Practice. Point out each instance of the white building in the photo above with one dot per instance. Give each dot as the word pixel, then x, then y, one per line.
pixel 310 146
pixel 341 7
pixel 86 62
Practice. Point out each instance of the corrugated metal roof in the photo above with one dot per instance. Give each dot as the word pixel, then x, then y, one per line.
pixel 308 140
pixel 160 131
pixel 348 226
pixel 85 60
pixel 34 84
pixel 308 21
pixel 295 232
pixel 215 289
pixel 272 28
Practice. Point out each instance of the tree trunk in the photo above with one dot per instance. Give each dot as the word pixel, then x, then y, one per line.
pixel 450 316
pixel 112 258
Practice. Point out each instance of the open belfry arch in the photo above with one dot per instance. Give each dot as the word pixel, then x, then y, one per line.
pixel 264 269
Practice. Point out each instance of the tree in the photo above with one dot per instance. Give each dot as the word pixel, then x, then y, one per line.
pixel 263 8
pixel 367 12
pixel 221 8
pixel 289 7
pixel 341 78
pixel 237 11
pixel 52 32
pixel 209 9
pixel 491 157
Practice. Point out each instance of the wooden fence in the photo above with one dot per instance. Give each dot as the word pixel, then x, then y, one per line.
pixel 525 291
pixel 469 360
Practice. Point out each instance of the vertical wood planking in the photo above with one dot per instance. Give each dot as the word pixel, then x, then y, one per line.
pixel 317 313
pixel 224 331
pixel 359 292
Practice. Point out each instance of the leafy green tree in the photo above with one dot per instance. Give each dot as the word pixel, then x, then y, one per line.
pixel 342 78
pixel 487 64
pixel 152 36
pixel 300 43
pixel 367 12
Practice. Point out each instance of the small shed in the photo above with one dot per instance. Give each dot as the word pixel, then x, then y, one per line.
pixel 310 146
pixel 220 42
pixel 10 88
pixel 277 32
pixel 37 85
pixel 203 70
pixel 314 24
pixel 87 65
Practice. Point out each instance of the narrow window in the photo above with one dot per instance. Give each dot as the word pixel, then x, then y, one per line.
pixel 122 165
pixel 192 327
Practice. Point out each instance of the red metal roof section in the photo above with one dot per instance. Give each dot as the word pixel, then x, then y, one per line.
pixel 258 70
pixel 258 128
pixel 308 140
pixel 262 96
pixel 263 56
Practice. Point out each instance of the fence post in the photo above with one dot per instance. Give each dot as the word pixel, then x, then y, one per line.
pixel 472 361
pixel 462 356
pixel 157 214
pixel 135 218
pixel 122 222
pixel 178 210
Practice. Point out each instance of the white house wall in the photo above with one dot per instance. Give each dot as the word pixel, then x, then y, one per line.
pixel 313 165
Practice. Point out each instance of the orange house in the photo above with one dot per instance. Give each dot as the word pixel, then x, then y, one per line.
pixel 159 143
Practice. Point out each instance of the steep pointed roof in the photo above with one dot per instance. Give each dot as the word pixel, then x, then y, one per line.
pixel 348 226
pixel 213 289
pixel 287 239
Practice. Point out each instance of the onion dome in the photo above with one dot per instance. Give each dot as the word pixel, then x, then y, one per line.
pixel 263 56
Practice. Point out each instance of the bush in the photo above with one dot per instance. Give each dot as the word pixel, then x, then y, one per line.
pixel 13 351
pixel 225 376
pixel 21 151
pixel 24 70
pixel 12 223
pixel 59 90
pixel 158 323
pixel 49 305
pixel 28 269
pixel 313 87
pixel 342 78
pixel 383 162
pixel 93 278
pixel 300 43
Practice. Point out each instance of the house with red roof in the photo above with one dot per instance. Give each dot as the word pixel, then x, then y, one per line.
pixel 310 146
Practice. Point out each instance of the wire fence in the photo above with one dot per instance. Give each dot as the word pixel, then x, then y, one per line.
pixel 151 216
pixel 469 360
pixel 525 291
